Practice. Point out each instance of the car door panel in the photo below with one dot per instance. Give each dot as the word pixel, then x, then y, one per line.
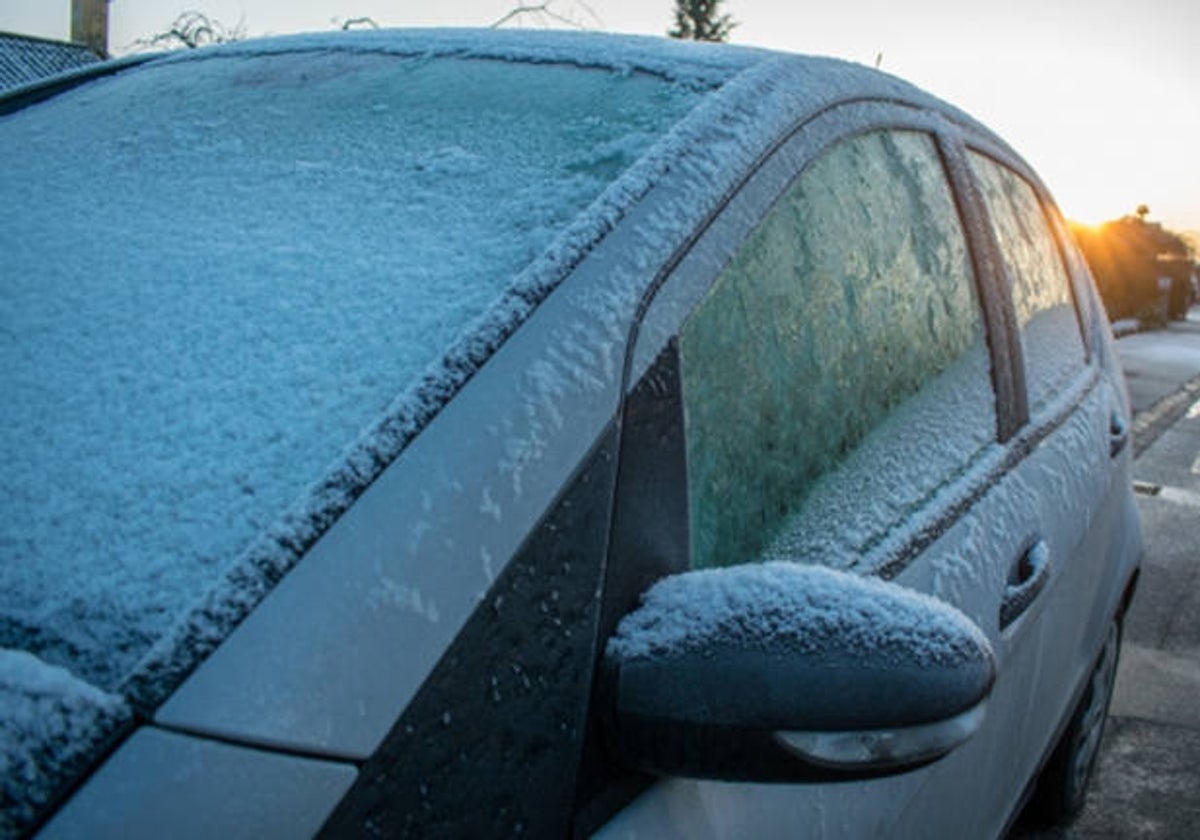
pixel 967 540
pixel 973 785
pixel 1077 419
pixel 955 538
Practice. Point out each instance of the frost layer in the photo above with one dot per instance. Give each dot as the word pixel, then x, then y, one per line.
pixel 50 726
pixel 275 250
pixel 811 609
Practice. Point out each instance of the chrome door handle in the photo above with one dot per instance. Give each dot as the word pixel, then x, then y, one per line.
pixel 1027 578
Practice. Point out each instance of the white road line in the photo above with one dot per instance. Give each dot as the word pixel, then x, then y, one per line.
pixel 1180 496
pixel 1192 414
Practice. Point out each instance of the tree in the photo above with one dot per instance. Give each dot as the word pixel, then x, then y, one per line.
pixel 546 14
pixel 191 30
pixel 701 20
pixel 355 23
pixel 1127 257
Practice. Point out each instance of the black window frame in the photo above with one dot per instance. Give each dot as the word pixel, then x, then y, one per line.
pixel 1052 217
pixel 1030 431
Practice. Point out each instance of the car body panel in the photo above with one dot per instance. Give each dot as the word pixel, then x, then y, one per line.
pixel 349 636
pixel 975 794
pixel 161 783
pixel 1058 457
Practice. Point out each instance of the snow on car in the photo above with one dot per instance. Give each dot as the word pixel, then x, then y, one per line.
pixel 379 402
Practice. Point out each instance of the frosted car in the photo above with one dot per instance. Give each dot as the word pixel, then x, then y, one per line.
pixel 487 433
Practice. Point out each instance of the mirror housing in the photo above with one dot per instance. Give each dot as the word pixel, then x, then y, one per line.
pixel 781 671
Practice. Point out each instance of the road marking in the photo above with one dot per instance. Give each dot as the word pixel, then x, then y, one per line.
pixel 1152 422
pixel 1180 496
pixel 1192 414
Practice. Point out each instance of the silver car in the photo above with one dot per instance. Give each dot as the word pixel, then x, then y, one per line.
pixel 456 433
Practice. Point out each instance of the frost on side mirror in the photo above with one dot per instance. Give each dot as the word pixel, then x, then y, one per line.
pixel 779 671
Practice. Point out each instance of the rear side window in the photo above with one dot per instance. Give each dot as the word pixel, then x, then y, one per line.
pixel 836 374
pixel 1041 288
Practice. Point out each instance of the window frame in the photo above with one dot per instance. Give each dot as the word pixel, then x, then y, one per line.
pixel 745 494
pixel 1055 227
pixel 685 280
pixel 1031 431
pixel 698 263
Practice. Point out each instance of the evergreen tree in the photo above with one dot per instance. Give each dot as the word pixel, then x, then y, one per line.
pixel 701 20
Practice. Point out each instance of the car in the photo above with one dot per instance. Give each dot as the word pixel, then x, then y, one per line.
pixel 476 433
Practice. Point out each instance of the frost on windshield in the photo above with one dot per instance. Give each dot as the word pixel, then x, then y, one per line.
pixel 220 273
pixel 51 725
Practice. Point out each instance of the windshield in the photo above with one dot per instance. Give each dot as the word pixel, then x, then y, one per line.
pixel 219 273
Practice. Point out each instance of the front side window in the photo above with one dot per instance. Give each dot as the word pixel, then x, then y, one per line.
pixel 836 374
pixel 1041 288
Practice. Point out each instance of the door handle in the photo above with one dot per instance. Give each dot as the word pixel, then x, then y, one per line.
pixel 1026 579
pixel 1118 433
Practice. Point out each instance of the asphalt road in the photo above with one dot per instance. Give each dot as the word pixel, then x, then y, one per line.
pixel 1148 780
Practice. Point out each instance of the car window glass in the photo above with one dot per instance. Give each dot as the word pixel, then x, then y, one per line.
pixel 287 263
pixel 1041 289
pixel 836 374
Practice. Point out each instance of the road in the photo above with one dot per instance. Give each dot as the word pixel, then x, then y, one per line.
pixel 1148 779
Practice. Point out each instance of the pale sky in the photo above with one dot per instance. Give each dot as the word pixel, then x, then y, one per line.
pixel 1101 96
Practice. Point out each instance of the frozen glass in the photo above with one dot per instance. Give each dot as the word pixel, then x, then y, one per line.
pixel 272 251
pixel 1041 289
pixel 854 294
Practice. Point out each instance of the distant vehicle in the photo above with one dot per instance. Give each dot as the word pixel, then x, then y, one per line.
pixel 484 433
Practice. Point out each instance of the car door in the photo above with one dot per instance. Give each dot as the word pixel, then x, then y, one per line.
pixel 1076 433
pixel 826 377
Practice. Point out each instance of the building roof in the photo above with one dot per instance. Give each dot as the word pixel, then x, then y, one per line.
pixel 25 59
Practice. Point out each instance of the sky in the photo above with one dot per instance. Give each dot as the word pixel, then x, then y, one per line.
pixel 1102 97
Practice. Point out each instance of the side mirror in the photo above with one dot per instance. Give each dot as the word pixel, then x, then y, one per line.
pixel 780 671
